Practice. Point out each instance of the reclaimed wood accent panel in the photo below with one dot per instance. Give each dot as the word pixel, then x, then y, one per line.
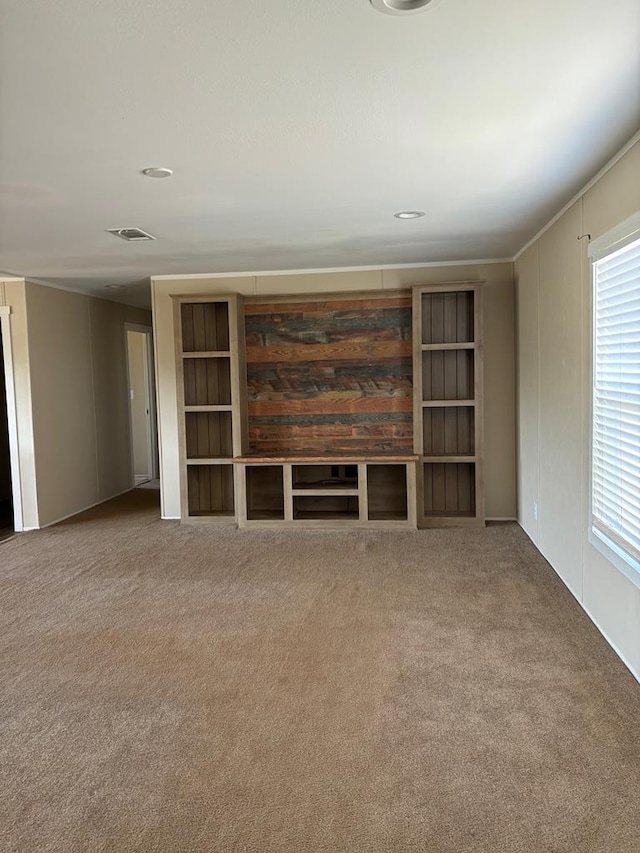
pixel 205 326
pixel 330 375
pixel 207 382
pixel 447 318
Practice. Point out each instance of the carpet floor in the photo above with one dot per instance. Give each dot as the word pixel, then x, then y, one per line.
pixel 170 688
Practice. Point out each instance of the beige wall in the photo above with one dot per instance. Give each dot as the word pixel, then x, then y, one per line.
pixel 499 357
pixel 554 351
pixel 71 389
pixel 14 294
pixel 136 345
pixel 5 468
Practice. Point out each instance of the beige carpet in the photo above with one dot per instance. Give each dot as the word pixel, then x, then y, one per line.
pixel 192 689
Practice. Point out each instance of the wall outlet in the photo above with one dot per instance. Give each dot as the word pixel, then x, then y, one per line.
pixel 535 510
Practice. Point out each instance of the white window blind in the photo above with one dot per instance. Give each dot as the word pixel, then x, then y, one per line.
pixel 615 486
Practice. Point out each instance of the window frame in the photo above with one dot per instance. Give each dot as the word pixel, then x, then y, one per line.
pixel 612 241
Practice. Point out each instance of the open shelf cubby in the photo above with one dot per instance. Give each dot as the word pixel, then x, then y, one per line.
pixel 448 374
pixel 448 318
pixel 208 435
pixel 325 477
pixel 450 489
pixel 310 507
pixel 265 493
pixel 387 492
pixel 449 431
pixel 207 381
pixel 205 326
pixel 210 490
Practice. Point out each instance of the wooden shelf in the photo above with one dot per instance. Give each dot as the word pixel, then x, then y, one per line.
pixel 388 515
pixel 209 358
pixel 447 347
pixel 325 492
pixel 447 385
pixel 209 460
pixel 459 458
pixel 430 404
pixel 326 459
pixel 311 515
pixel 208 408
pixel 208 354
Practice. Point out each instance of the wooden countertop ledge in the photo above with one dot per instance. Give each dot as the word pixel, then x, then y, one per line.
pixel 330 458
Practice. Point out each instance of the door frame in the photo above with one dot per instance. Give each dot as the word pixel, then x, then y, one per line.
pixel 12 418
pixel 150 399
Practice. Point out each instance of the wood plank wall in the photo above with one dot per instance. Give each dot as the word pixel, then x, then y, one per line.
pixel 330 375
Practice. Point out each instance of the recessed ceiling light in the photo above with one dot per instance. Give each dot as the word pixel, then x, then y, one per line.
pixel 409 214
pixel 114 286
pixel 403 7
pixel 132 235
pixel 157 172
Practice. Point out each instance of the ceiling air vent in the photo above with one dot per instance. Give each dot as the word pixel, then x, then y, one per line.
pixel 132 235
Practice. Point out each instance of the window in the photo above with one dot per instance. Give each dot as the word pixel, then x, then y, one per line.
pixel 615 460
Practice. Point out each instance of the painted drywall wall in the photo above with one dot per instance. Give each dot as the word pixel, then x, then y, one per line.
pixel 136 346
pixel 13 294
pixel 500 477
pixel 62 400
pixel 71 388
pixel 5 468
pixel 110 384
pixel 554 349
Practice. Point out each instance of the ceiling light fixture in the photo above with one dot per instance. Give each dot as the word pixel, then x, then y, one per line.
pixel 114 286
pixel 409 214
pixel 403 7
pixel 157 172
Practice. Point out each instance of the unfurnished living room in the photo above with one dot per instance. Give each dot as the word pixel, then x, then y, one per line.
pixel 319 426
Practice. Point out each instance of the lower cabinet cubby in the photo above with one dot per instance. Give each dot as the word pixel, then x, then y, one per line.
pixel 210 491
pixel 325 476
pixel 450 489
pixel 387 492
pixel 265 493
pixel 449 431
pixel 320 507
pixel 208 435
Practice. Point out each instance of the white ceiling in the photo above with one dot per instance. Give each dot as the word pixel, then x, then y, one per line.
pixel 296 128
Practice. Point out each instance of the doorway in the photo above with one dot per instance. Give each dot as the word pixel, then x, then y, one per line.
pixel 144 442
pixel 6 497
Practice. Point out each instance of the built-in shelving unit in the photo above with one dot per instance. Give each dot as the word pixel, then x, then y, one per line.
pixel 447 375
pixel 327 401
pixel 212 427
pixel 355 492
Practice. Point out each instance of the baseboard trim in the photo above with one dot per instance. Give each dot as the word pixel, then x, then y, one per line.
pixel 603 633
pixel 635 674
pixel 77 512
